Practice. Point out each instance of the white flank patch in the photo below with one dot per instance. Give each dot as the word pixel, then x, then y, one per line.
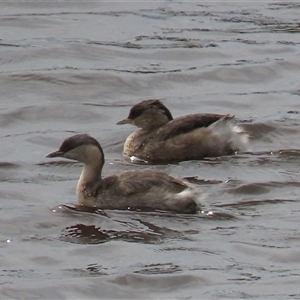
pixel 194 194
pixel 187 193
pixel 227 131
pixel 137 160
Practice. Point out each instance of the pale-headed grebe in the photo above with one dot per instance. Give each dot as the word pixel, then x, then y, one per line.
pixel 163 139
pixel 143 189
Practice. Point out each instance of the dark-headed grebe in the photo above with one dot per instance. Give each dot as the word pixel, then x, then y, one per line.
pixel 144 189
pixel 163 139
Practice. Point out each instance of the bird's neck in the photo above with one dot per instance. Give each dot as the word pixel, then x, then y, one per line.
pixel 90 173
pixel 89 181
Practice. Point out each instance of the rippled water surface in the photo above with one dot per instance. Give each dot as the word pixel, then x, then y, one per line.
pixel 74 67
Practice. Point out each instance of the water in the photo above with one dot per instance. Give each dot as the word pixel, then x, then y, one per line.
pixel 74 67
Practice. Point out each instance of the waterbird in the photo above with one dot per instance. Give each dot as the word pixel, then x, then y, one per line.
pixel 142 189
pixel 162 139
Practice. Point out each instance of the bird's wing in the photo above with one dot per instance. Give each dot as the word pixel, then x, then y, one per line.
pixel 141 181
pixel 186 124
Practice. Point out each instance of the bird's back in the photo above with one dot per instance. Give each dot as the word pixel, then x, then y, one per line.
pixel 147 190
pixel 189 137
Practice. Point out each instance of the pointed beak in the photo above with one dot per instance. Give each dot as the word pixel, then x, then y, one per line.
pixel 55 154
pixel 125 121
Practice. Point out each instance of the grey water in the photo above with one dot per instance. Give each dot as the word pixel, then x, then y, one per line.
pixel 78 67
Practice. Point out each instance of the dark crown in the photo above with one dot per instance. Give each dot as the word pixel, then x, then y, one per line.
pixel 77 141
pixel 139 108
